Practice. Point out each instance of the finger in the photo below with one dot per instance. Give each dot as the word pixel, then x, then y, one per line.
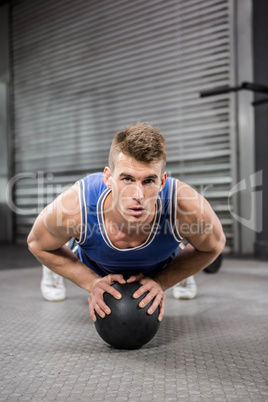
pixel 162 308
pixel 112 291
pixel 135 278
pixel 103 306
pixel 148 298
pixel 92 311
pixel 116 278
pixel 99 311
pixel 155 304
pixel 142 289
pixel 97 302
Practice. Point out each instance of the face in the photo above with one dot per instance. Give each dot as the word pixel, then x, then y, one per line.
pixel 135 187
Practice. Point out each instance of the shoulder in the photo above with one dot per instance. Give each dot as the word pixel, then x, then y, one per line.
pixel 67 204
pixel 94 178
pixel 169 188
pixel 187 197
pixel 196 219
pixel 192 207
pixel 184 195
pixel 92 185
pixel 61 218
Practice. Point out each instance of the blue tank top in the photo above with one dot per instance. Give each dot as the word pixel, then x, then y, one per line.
pixel 95 248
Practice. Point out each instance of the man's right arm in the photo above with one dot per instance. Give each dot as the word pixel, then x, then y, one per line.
pixel 53 228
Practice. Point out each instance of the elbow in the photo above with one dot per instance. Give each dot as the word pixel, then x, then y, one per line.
pixel 31 247
pixel 218 244
pixel 223 241
pixel 34 249
pixel 221 244
pixel 31 242
pixel 29 238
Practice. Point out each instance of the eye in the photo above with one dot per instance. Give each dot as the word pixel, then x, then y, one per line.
pixel 127 179
pixel 148 181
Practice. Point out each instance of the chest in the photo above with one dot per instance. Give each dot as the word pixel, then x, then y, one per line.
pixel 125 240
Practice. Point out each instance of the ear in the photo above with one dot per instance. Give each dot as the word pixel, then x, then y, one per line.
pixel 163 180
pixel 107 174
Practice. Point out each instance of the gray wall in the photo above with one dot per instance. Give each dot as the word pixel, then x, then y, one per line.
pixel 28 31
pixel 83 70
pixel 5 157
pixel 260 41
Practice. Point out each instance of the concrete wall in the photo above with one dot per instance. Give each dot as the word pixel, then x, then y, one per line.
pixel 260 42
pixel 5 138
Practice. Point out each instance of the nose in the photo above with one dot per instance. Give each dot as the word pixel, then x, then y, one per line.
pixel 138 192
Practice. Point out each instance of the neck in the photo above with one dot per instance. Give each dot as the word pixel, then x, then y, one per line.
pixel 114 219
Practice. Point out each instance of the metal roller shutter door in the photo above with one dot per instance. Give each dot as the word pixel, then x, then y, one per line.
pixel 82 70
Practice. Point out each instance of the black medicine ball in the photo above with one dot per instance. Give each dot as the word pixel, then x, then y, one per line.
pixel 128 326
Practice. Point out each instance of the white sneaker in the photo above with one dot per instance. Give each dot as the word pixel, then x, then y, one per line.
pixel 186 289
pixel 52 286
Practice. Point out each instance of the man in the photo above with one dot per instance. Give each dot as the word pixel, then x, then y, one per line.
pixel 128 223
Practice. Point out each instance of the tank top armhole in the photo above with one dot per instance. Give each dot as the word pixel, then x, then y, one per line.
pixel 83 212
pixel 173 211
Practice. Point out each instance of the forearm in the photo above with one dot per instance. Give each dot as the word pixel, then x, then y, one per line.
pixel 65 263
pixel 188 262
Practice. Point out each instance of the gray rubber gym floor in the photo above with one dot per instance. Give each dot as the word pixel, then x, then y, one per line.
pixel 213 348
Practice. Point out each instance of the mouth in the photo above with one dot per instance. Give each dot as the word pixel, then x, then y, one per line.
pixel 136 211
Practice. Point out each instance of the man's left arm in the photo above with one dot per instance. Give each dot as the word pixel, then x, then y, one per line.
pixel 200 226
pixel 198 223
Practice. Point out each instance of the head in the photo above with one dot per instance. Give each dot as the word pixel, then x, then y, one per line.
pixel 136 173
pixel 140 141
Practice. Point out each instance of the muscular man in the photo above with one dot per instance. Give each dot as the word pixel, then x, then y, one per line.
pixel 128 223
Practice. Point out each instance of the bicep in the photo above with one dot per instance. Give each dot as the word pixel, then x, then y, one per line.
pixel 197 221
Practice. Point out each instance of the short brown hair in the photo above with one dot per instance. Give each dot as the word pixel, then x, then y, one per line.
pixel 142 142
